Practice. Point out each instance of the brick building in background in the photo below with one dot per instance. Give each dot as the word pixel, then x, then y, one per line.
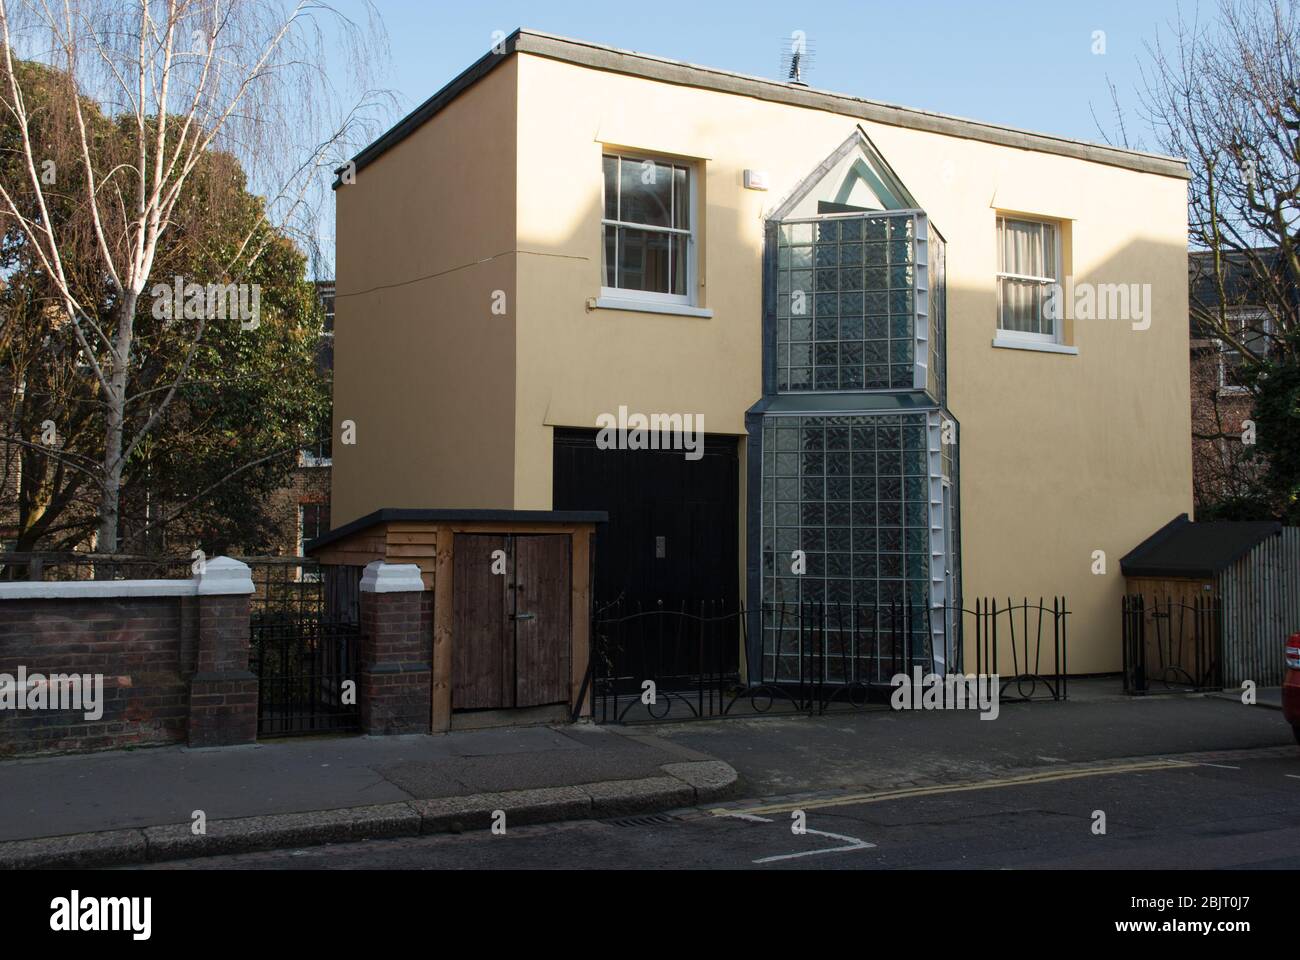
pixel 303 504
pixel 1221 402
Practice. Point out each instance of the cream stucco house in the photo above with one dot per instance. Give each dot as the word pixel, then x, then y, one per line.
pixel 856 298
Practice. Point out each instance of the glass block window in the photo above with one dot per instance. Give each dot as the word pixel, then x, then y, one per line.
pixel 846 303
pixel 852 493
pixel 937 381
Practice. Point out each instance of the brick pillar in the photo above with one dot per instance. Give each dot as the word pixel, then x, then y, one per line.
pixel 395 682
pixel 223 691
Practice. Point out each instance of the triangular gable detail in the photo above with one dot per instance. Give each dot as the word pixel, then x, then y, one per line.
pixel 866 180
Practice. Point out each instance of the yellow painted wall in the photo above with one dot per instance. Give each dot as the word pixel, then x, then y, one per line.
pixel 1061 455
pixel 424 368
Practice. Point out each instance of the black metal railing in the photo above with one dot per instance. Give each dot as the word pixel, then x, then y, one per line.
pixel 306 676
pixel 688 654
pixel 31 567
pixel 284 584
pixel 304 647
pixel 1034 635
pixel 304 637
pixel 823 653
pixel 1172 646
pixel 685 662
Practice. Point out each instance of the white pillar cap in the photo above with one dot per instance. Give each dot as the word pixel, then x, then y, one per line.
pixel 224 576
pixel 380 577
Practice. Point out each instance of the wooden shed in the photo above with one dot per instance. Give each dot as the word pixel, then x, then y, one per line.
pixel 1243 577
pixel 511 603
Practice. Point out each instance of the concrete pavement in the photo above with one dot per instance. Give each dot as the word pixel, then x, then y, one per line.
pixel 776 756
pixel 134 806
pixel 129 806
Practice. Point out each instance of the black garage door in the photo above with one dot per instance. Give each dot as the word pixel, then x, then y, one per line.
pixel 673 531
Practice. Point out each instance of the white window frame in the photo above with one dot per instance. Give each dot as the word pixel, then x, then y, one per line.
pixel 1058 323
pixel 332 318
pixel 308 459
pixel 624 294
pixel 305 576
pixel 1245 316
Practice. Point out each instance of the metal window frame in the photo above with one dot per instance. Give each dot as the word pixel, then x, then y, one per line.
pixel 307 576
pixel 919 260
pixel 924 419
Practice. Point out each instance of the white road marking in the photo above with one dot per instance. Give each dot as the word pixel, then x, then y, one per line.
pixel 853 842
pixel 1294 776
pixel 1221 766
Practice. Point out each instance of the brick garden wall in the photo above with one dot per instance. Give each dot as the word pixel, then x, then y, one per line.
pixel 146 648
pixel 172 656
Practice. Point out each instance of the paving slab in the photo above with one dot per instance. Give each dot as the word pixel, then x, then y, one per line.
pixel 161 786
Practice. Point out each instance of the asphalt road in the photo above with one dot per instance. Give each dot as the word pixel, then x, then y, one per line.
pixel 1228 811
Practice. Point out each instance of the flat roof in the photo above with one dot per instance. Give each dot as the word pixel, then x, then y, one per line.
pixel 1182 548
pixel 600 57
pixel 400 515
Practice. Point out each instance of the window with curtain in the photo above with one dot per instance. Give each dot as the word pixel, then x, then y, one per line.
pixel 648 232
pixel 1028 267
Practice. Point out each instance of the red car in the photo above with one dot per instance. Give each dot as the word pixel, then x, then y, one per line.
pixel 1291 685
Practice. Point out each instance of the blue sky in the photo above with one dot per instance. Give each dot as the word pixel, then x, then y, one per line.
pixel 1015 62
pixel 1021 63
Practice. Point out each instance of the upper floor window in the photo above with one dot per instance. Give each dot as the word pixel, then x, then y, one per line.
pixel 320 452
pixel 1252 328
pixel 313 522
pixel 648 227
pixel 846 302
pixel 1029 267
pixel 326 297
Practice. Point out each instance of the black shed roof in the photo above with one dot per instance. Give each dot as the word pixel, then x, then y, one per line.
pixel 1182 548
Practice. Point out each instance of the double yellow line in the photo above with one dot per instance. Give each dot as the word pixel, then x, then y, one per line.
pixel 1047 776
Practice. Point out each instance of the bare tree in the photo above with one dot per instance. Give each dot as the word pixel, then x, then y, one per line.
pixel 1226 95
pixel 258 79
pixel 1224 92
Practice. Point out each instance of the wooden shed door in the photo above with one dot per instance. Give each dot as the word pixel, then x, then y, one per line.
pixel 481 629
pixel 510 640
pixel 541 617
